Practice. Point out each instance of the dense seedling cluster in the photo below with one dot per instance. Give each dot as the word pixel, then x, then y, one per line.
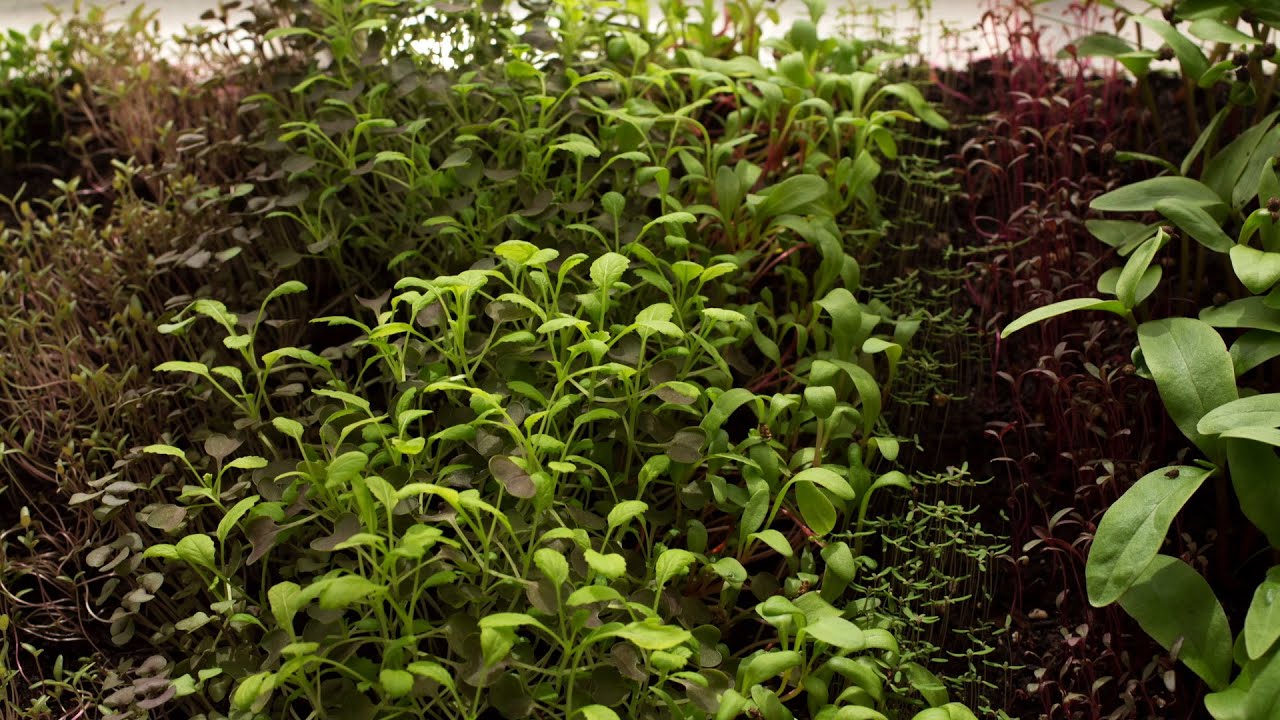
pixel 602 360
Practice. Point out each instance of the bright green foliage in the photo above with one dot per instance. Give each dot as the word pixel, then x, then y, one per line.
pixel 587 451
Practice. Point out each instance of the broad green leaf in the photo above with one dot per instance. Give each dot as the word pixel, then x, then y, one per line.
pixel 1059 308
pixel 1176 606
pixel 1099 45
pixel 593 594
pixel 624 511
pixel 552 564
pixel 1217 32
pixel 252 689
pixel 1254 411
pixel 1124 235
pixel 1143 196
pixel 288 428
pixel 164 450
pixel 182 366
pixel 1223 170
pixel 926 683
pixel 608 269
pixel 248 462
pixel 1257 270
pixel 730 570
pixel 496 644
pixel 838 632
pixel 284 601
pixel 343 469
pixel 1265 435
pixel 1193 373
pixel 1254 470
pixel 1133 529
pixel 769 665
pixel 1250 312
pixel 775 540
pixel 1195 221
pixel 950 711
pixel 196 550
pixel 673 563
pixel 652 634
pixel 1262 623
pixel 821 399
pixel 611 566
pixel 793 195
pixel 1190 57
pixel 598 712
pixel 816 508
pixel 432 671
pixel 347 590
pixel 395 683
pixel 1254 348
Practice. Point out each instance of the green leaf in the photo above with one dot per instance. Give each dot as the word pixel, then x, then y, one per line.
pixel 496 644
pixel 611 566
pixel 1195 221
pixel 252 689
pixel 284 600
pixel 196 550
pixel 912 96
pixel 432 671
pixel 395 683
pixel 673 563
pixel 624 511
pixel 821 399
pixel 1174 604
pixel 1064 306
pixel 652 634
pixel 816 508
pixel 1217 32
pixel 768 665
pixel 598 712
pixel 775 540
pixel 1135 269
pixel 793 195
pixel 593 594
pixel 1261 410
pixel 1250 312
pixel 343 469
pixel 347 590
pixel 552 564
pixel 836 631
pixel 927 684
pixel 1222 171
pixel 233 516
pixel 1262 623
pixel 288 428
pixel 1144 195
pixel 1192 370
pixel 608 269
pixel 1099 45
pixel 1254 348
pixel 185 367
pixel 1193 61
pixel 1257 270
pixel 164 450
pixel 1133 529
pixel 1254 469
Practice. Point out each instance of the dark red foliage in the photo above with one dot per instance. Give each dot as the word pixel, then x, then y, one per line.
pixel 1069 425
